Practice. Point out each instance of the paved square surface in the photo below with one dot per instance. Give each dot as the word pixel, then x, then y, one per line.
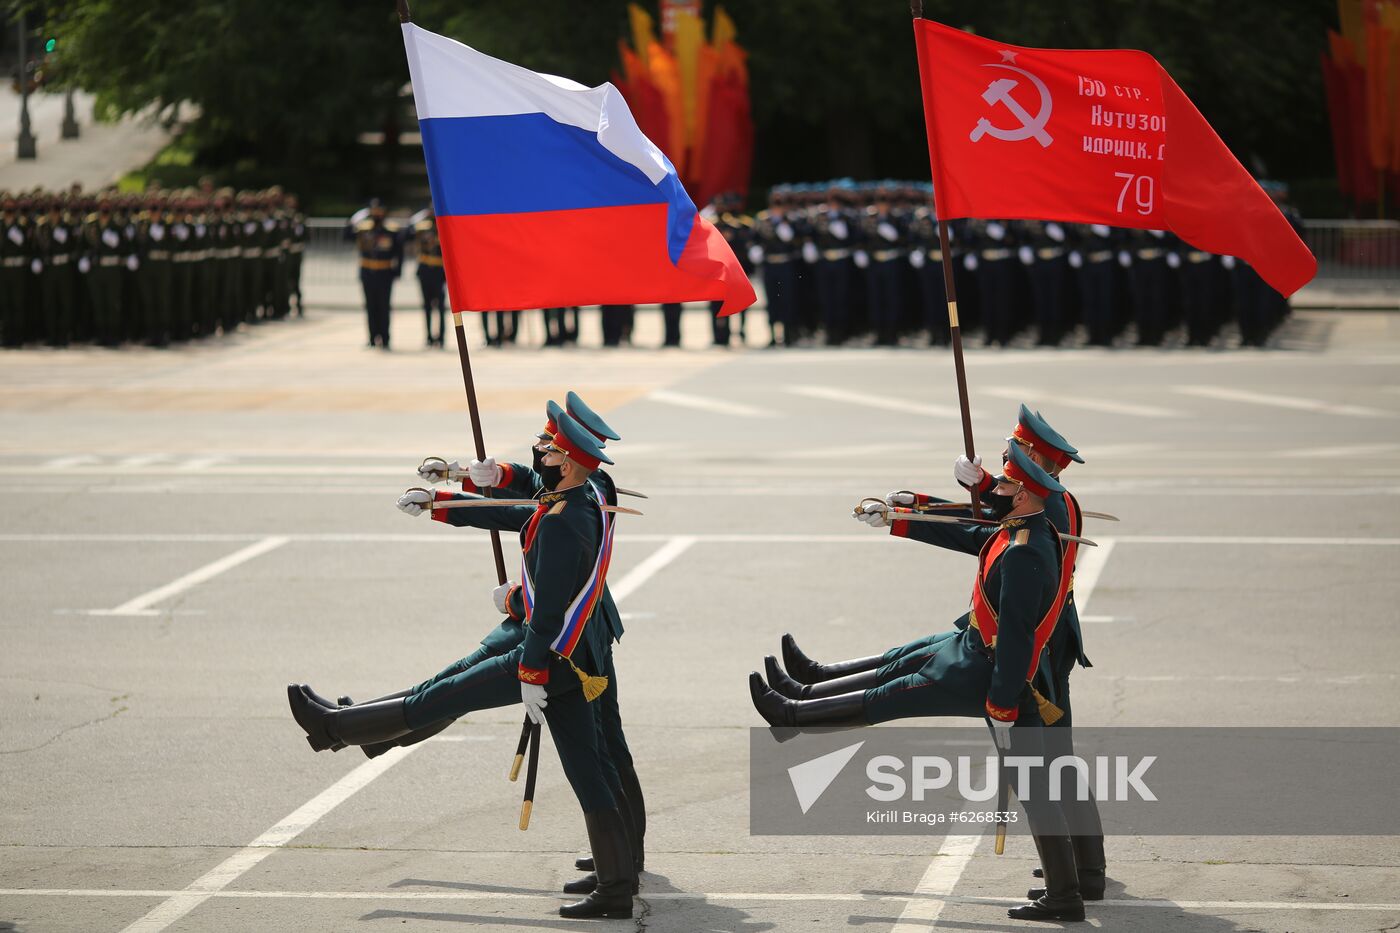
pixel 185 532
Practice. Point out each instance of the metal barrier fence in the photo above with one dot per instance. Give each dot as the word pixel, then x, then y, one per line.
pixel 1346 250
pixel 1349 250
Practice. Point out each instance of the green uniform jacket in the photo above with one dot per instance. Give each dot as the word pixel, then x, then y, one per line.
pixel 560 550
pixel 1020 586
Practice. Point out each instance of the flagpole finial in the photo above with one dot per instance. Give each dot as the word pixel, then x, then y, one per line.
pixel 916 8
pixel 404 15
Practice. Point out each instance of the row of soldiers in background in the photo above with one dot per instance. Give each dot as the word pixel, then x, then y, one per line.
pixel 381 244
pixel 843 259
pixel 155 268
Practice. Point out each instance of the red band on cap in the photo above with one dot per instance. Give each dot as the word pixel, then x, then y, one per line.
pixel 561 440
pixel 550 427
pixel 1017 475
pixel 1057 456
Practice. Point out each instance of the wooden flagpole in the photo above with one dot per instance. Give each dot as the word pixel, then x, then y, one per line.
pixel 916 7
pixel 474 413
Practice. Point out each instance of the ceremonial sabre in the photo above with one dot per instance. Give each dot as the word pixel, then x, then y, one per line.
pixel 470 385
pixel 528 803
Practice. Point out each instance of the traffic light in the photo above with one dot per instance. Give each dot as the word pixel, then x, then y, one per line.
pixel 50 44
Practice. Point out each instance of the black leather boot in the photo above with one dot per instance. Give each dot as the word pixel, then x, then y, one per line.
pixel 1061 901
pixel 629 808
pixel 804 670
pixel 350 725
pixel 1090 863
pixel 778 710
pixel 612 898
pixel 375 749
pixel 317 698
pixel 850 683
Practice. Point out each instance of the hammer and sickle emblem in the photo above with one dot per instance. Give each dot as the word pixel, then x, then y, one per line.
pixel 999 92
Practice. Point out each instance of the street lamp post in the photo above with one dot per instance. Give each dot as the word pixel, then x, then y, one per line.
pixel 25 149
pixel 70 122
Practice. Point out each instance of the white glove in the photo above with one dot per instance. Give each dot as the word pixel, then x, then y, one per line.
pixel 1001 734
pixel 484 473
pixel 1055 232
pixel 36 266
pixel 755 254
pixel 970 262
pixel 499 594
pixel 995 230
pixel 84 264
pixel 862 259
pixel 533 696
pixel 182 232
pixel 784 231
pixel 1173 261
pixel 810 253
pixel 899 497
pixel 428 473
pixel 133 262
pixel 1125 258
pixel 1227 261
pixel 157 232
pixel 887 230
pixel 918 258
pixel 111 238
pixel 873 514
pixel 1076 259
pixel 16 236
pixel 1026 255
pixel 838 229
pixel 968 472
pixel 415 501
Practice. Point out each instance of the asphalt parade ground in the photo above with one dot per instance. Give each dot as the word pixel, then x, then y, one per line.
pixel 186 532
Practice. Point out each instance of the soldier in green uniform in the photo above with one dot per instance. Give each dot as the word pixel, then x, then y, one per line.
pixel 15 257
pixel 554 671
pixel 250 257
pixel 521 480
pixel 987 669
pixel 432 279
pixel 1048 449
pixel 101 264
pixel 298 236
pixel 276 233
pixel 154 237
pixel 55 240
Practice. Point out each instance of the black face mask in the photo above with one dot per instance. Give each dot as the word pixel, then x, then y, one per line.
pixel 999 506
pixel 550 476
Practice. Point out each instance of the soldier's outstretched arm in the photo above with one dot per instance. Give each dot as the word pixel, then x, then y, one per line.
pixel 966 538
pixel 492 518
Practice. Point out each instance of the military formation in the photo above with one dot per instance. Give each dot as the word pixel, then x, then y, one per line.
pixel 843 262
pixel 156 268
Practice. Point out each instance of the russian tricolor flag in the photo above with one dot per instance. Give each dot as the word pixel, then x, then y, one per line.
pixel 547 194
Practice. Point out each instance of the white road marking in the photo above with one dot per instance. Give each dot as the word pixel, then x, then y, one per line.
pixel 200 463
pixel 398 894
pixel 673 548
pixel 1225 394
pixel 64 463
pixel 1345 450
pixel 887 402
pixel 938 882
pixel 1087 570
pixel 213 882
pixel 226 872
pixel 140 460
pixel 703 403
pixel 1078 401
pixel 141 605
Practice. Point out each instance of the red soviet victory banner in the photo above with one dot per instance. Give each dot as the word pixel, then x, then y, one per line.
pixel 1090 137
